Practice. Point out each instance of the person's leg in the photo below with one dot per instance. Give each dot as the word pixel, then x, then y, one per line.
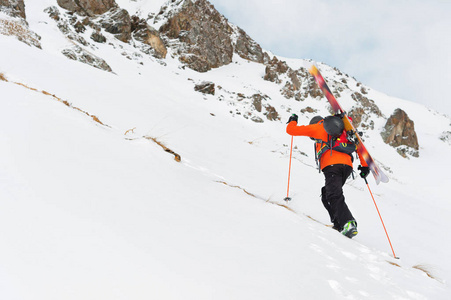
pixel 335 177
pixel 328 208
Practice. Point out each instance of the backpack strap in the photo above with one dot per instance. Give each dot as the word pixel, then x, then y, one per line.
pixel 331 144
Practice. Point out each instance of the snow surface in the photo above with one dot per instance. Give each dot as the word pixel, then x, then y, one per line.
pixel 89 212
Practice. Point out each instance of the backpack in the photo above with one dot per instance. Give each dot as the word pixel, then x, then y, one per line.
pixel 337 140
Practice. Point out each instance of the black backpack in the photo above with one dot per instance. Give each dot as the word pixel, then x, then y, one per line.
pixel 337 139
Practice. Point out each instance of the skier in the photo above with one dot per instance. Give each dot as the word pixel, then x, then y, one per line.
pixel 335 161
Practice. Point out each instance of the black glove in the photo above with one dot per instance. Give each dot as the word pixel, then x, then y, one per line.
pixel 364 171
pixel 294 117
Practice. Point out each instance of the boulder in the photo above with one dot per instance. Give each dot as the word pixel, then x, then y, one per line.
pixel 77 53
pixel 399 131
pixel 271 113
pixel 257 102
pixel 205 87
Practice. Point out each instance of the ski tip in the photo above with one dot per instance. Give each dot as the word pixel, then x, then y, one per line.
pixel 379 176
pixel 382 178
pixel 313 70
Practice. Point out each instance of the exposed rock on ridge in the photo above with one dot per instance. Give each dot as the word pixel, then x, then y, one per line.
pixel 199 34
pixel 203 38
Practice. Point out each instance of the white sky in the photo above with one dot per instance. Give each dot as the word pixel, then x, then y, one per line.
pixel 399 47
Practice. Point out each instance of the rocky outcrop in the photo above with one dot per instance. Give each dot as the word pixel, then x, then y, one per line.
pixel 17 25
pixel 77 53
pixel 399 132
pixel 363 112
pixel 271 113
pixel 257 102
pixel 446 137
pixel 274 68
pixel 205 87
pixel 107 15
pixel 279 72
pixel 260 104
pixel 98 17
pixel 13 8
pixel 366 103
pixel 247 48
pixel 113 19
pixel 148 35
pixel 203 38
pixel 19 28
pixel 89 8
pixel 117 22
pixel 72 26
pixel 200 35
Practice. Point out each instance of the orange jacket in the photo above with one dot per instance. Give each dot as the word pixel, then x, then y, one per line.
pixel 318 132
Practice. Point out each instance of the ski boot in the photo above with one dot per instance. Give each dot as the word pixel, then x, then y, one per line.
pixel 350 229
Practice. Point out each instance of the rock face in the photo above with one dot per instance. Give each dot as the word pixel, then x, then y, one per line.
pixel 116 21
pixel 88 7
pixel 17 26
pixel 247 48
pixel 14 8
pixel 400 132
pixel 203 38
pixel 203 33
pixel 144 33
pixel 97 17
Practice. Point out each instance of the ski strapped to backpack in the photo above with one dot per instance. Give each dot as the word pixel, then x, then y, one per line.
pixel 378 174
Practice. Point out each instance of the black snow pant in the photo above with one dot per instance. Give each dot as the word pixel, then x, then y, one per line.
pixel 332 194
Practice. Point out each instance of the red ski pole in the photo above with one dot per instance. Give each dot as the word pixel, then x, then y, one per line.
pixel 386 233
pixel 287 198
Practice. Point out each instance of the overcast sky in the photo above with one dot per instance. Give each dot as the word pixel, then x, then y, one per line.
pixel 399 47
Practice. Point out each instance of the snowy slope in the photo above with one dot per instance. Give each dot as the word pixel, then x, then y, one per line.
pixel 89 212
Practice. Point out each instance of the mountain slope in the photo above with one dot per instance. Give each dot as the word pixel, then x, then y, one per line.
pixel 91 212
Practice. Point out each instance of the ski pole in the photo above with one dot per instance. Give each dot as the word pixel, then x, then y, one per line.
pixel 287 198
pixel 386 233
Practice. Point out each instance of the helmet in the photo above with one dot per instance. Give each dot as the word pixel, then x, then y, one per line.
pixel 315 120
pixel 334 126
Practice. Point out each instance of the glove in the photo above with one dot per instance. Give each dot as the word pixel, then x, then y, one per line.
pixel 294 117
pixel 364 171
